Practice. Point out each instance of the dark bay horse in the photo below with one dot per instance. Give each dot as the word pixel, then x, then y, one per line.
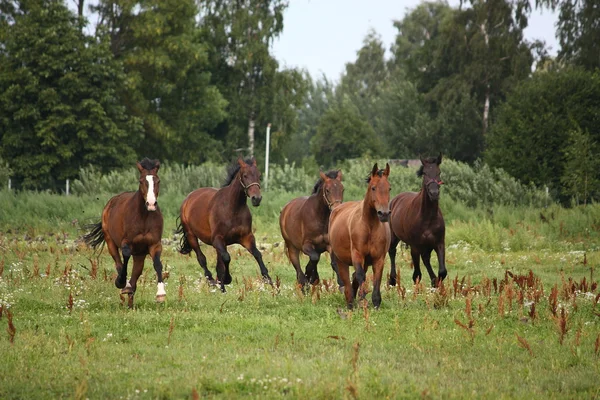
pixel 304 224
pixel 133 223
pixel 417 221
pixel 220 217
pixel 360 235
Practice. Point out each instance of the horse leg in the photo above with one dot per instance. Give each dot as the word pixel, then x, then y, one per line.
pixel 416 258
pixel 223 275
pixel 155 252
pixel 294 256
pixel 440 250
pixel 136 271
pixel 426 256
pixel 114 252
pixel 311 268
pixel 249 242
pixel 377 274
pixel 334 266
pixel 392 253
pixel 193 241
pixel 359 276
pixel 122 277
pixel 344 271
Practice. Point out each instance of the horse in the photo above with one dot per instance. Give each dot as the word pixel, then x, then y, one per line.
pixel 360 235
pixel 221 217
pixel 133 223
pixel 417 220
pixel 304 223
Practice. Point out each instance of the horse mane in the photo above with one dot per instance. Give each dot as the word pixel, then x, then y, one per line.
pixel 380 173
pixel 233 169
pixel 149 164
pixel 330 174
pixel 430 160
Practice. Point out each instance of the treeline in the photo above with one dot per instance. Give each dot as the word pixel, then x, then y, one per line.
pixel 191 82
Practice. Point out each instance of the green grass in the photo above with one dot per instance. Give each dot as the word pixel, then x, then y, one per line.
pixel 259 342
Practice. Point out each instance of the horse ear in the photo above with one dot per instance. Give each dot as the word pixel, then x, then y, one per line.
pixel 253 161
pixel 374 170
pixel 387 170
pixel 322 175
pixel 241 162
pixel 139 167
pixel 439 159
pixel 157 165
pixel 339 175
pixel 423 160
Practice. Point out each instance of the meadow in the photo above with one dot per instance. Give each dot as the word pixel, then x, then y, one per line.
pixel 517 317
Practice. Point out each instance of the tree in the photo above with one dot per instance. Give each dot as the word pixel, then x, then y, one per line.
pixel 343 134
pixel 581 178
pixel 59 108
pixel 168 82
pixel 531 130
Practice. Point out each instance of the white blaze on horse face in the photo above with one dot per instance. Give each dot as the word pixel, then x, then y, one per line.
pixel 150 198
pixel 160 289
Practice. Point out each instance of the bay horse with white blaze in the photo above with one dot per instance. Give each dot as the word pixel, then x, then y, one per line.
pixel 221 217
pixel 417 221
pixel 360 236
pixel 304 224
pixel 132 222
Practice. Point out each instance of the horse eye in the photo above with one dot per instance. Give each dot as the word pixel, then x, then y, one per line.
pixel 373 188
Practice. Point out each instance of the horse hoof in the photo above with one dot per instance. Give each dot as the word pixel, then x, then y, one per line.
pixel 119 284
pixel 341 289
pixel 127 290
pixel 161 298
pixel 227 279
pixel 392 282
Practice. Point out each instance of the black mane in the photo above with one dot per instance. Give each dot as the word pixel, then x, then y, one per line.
pixel 330 174
pixel 233 169
pixel 149 164
pixel 380 173
pixel 430 160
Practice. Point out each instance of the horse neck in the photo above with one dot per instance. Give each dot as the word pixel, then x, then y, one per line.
pixel 236 192
pixel 429 208
pixel 318 202
pixel 368 212
pixel 139 201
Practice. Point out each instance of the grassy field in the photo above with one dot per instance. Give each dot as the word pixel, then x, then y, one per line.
pixel 67 333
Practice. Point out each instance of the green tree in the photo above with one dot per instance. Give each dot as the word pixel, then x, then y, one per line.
pixel 168 82
pixel 58 98
pixel 581 178
pixel 531 130
pixel 342 133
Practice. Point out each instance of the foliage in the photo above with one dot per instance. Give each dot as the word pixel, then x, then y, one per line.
pixel 59 107
pixel 168 83
pixel 581 179
pixel 531 130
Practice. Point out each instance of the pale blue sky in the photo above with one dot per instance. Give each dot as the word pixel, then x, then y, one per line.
pixel 323 35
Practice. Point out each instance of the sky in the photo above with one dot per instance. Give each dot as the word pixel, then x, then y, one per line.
pixel 321 36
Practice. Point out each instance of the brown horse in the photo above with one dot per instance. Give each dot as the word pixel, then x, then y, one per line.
pixel 221 217
pixel 417 221
pixel 304 224
pixel 132 222
pixel 360 235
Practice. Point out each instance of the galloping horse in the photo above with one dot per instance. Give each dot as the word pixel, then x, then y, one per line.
pixel 304 224
pixel 417 221
pixel 132 222
pixel 360 235
pixel 220 217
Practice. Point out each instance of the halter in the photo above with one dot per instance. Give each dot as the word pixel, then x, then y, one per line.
pixel 432 180
pixel 329 203
pixel 250 185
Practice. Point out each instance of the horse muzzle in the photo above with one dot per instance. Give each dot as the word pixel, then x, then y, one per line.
pixel 384 216
pixel 151 207
pixel 256 200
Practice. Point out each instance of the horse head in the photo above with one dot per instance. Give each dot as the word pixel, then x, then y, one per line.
pixel 430 171
pixel 149 182
pixel 249 178
pixel 379 192
pixel 333 189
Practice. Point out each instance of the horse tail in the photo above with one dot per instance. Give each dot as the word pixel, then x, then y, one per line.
pixel 184 245
pixel 95 236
